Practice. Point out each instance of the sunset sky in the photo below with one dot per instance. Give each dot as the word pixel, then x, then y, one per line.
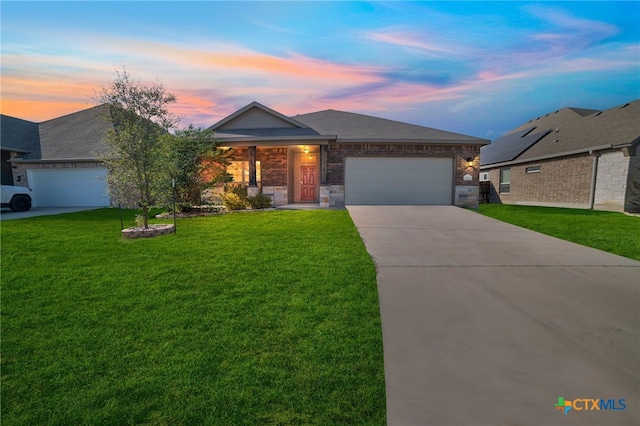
pixel 478 68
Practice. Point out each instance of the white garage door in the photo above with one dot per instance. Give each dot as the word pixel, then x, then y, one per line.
pixel 398 181
pixel 69 187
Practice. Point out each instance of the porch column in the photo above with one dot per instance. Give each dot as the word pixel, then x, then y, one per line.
pixel 253 180
pixel 323 164
pixel 325 192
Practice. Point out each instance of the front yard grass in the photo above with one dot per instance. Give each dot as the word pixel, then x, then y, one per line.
pixel 246 318
pixel 608 231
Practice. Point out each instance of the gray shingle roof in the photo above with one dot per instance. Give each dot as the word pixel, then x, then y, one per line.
pixel 352 127
pixel 74 136
pixel 568 130
pixel 20 135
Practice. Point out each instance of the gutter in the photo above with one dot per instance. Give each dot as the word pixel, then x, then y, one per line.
pixel 292 140
pixel 53 160
pixel 8 148
pixel 415 141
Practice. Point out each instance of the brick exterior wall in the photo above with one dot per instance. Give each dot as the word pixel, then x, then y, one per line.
pixel 273 164
pixel 276 162
pixel 337 153
pixel 563 182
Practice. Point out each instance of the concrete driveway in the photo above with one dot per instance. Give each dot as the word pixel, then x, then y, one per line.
pixel 486 323
pixel 7 214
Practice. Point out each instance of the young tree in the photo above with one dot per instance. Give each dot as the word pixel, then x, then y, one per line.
pixel 196 163
pixel 135 153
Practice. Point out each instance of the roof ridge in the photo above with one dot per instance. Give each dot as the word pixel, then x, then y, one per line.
pixel 18 118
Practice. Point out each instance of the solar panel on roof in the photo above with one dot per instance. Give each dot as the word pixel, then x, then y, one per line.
pixel 509 147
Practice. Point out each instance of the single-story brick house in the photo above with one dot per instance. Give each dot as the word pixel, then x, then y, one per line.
pixel 327 157
pixel 57 158
pixel 335 158
pixel 572 157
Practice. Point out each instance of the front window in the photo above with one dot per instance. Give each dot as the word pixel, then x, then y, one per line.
pixel 505 181
pixel 240 171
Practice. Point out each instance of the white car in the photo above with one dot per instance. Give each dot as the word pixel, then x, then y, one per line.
pixel 17 198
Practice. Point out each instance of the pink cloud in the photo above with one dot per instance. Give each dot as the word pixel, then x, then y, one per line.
pixel 430 44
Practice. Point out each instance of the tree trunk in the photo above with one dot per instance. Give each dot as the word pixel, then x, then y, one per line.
pixel 145 214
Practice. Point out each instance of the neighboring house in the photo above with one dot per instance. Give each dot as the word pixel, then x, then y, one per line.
pixel 17 138
pixel 335 158
pixel 57 158
pixel 572 157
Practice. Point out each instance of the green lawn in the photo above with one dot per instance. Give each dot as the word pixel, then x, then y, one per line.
pixel 247 318
pixel 609 231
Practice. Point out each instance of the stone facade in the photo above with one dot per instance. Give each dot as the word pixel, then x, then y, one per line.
pixel 278 194
pixel 611 186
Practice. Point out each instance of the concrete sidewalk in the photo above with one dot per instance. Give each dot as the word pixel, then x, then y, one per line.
pixel 6 214
pixel 486 323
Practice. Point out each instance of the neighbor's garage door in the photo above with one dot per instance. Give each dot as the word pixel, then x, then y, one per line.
pixel 398 181
pixel 69 187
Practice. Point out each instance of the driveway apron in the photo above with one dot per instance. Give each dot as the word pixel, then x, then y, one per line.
pixel 486 323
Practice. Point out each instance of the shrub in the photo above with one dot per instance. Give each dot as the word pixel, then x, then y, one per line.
pixel 236 198
pixel 240 190
pixel 260 201
pixel 233 201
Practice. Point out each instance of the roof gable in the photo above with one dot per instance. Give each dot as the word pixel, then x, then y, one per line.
pixel 20 136
pixel 256 116
pixel 77 135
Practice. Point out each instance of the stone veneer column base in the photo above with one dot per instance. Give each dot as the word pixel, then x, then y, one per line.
pixel 467 196
pixel 252 191
pixel 325 196
pixel 279 194
pixel 336 195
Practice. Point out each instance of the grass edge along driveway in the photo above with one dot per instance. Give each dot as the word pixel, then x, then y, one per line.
pixel 612 232
pixel 246 318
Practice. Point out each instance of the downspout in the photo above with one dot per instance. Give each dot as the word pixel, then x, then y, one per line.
pixel 594 173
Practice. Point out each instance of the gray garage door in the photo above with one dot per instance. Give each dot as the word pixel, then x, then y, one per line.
pixel 69 187
pixel 398 181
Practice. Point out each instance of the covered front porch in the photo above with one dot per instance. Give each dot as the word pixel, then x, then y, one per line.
pixel 288 173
